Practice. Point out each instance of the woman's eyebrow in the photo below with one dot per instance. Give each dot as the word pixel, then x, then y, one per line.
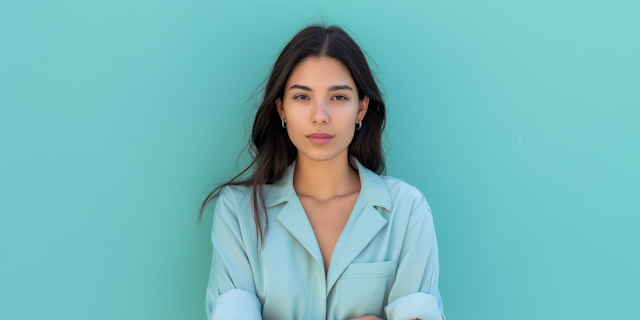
pixel 333 88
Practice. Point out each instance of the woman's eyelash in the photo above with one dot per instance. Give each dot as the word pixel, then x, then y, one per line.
pixel 341 96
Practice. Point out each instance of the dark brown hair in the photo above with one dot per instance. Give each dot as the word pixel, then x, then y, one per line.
pixel 272 150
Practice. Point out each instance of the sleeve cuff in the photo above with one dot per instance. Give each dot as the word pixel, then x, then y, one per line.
pixel 237 304
pixel 419 305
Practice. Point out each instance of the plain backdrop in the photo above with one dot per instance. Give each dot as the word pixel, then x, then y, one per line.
pixel 518 120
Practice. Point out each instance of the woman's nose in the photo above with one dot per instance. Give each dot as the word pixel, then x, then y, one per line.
pixel 321 112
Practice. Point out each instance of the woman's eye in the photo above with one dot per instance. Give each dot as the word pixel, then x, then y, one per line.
pixel 303 97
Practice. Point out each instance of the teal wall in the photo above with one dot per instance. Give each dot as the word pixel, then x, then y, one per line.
pixel 519 120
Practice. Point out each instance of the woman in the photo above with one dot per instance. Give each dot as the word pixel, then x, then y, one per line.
pixel 316 232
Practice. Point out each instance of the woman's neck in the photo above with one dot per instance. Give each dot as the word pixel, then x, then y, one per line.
pixel 324 180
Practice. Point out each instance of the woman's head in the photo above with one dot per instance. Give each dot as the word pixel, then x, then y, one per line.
pixel 318 58
pixel 321 98
pixel 320 82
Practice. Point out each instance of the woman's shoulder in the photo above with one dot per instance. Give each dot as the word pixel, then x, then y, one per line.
pixel 237 193
pixel 241 195
pixel 404 194
pixel 399 187
pixel 236 200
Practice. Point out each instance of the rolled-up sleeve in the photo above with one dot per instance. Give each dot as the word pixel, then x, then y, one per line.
pixel 414 293
pixel 231 290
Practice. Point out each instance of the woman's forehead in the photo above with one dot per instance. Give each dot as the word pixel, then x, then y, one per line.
pixel 320 73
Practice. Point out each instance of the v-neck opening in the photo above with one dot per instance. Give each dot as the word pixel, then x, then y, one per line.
pixel 356 210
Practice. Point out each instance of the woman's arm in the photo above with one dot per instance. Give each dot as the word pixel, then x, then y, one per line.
pixel 372 318
pixel 231 290
pixel 414 293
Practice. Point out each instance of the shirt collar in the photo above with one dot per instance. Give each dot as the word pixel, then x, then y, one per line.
pixel 372 187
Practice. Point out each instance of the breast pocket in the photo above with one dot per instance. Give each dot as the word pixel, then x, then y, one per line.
pixel 364 288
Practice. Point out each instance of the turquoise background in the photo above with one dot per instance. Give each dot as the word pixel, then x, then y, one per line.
pixel 519 121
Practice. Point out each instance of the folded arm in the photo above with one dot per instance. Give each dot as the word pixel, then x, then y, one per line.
pixel 231 292
pixel 414 294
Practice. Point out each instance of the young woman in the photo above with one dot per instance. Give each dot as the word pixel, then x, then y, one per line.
pixel 316 232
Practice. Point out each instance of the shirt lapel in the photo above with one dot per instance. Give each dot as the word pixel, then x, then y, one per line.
pixel 363 224
pixel 292 215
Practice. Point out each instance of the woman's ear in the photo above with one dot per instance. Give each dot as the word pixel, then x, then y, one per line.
pixel 364 105
pixel 280 108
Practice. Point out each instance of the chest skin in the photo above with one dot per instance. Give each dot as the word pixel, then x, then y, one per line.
pixel 328 219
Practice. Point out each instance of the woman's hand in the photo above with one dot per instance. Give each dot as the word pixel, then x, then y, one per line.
pixel 371 318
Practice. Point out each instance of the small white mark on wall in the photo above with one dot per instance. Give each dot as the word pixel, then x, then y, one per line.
pixel 520 143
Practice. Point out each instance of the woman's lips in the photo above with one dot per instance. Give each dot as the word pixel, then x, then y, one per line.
pixel 318 140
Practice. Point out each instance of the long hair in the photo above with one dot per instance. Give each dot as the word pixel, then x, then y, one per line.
pixel 272 150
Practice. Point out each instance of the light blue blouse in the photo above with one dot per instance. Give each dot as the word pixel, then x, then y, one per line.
pixel 385 262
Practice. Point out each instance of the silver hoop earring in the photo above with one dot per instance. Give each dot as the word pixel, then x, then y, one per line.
pixel 283 123
pixel 359 125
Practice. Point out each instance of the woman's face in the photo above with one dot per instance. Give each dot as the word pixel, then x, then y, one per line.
pixel 321 97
